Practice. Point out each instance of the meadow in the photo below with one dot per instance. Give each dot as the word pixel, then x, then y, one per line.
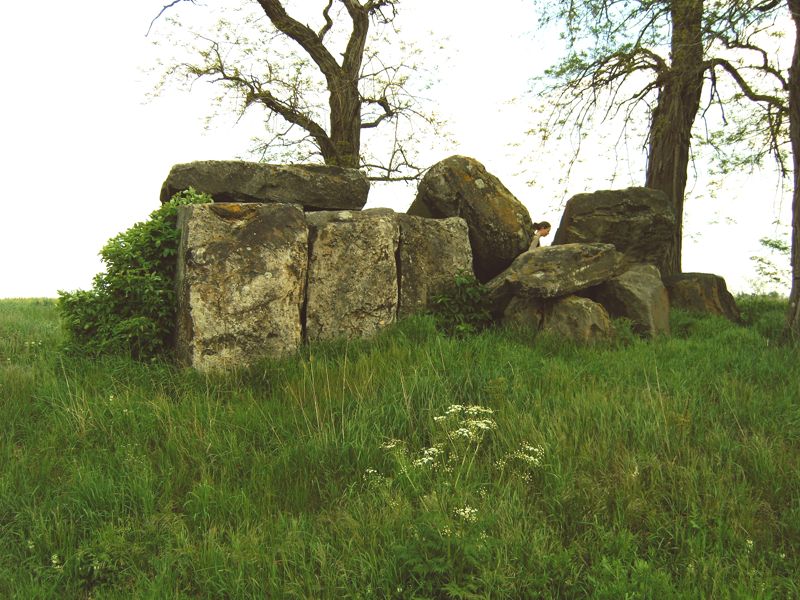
pixel 411 465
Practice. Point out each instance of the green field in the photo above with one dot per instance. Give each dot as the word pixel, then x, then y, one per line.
pixel 409 466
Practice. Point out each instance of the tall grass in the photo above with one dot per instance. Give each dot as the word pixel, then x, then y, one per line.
pixel 665 469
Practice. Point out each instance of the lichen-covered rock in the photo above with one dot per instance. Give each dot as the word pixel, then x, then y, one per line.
pixel 524 311
pixel 311 186
pixel 352 275
pixel 500 227
pixel 702 292
pixel 554 271
pixel 431 253
pixel 578 319
pixel 639 222
pixel 240 283
pixel 637 294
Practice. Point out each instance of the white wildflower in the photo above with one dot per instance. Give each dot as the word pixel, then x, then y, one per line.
pixel 393 443
pixel 750 545
pixel 474 410
pixel 468 514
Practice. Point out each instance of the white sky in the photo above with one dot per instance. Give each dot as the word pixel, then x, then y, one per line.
pixel 83 156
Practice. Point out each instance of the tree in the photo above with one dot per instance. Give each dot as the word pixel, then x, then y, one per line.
pixel 793 317
pixel 661 55
pixel 317 103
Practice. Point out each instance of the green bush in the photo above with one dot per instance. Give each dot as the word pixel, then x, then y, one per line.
pixel 464 308
pixel 131 306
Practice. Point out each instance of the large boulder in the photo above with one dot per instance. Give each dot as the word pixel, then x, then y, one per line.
pixel 523 311
pixel 702 292
pixel 352 273
pixel 240 283
pixel 578 319
pixel 315 187
pixel 554 271
pixel 500 227
pixel 431 253
pixel 640 222
pixel 637 294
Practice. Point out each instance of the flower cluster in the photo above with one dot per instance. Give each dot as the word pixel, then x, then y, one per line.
pixel 467 513
pixel 429 456
pixel 523 460
pixel 468 423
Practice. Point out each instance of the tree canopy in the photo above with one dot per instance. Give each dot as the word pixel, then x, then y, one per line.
pixel 322 86
pixel 659 58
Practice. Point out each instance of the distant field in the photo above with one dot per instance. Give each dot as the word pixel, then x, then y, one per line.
pixel 408 466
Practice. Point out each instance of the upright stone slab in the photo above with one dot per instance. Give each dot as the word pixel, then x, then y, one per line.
pixel 639 222
pixel 314 187
pixel 352 275
pixel 500 227
pixel 240 283
pixel 431 253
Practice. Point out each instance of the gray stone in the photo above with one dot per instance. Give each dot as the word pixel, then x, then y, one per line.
pixel 637 294
pixel 352 275
pixel 311 186
pixel 524 311
pixel 240 283
pixel 553 271
pixel 500 227
pixel 640 222
pixel 578 319
pixel 704 293
pixel 431 253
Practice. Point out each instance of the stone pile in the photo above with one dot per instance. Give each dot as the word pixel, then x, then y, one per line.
pixel 259 279
pixel 286 255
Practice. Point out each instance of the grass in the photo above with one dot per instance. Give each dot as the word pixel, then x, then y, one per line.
pixel 665 469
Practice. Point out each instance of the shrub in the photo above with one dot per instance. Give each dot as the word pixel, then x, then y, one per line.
pixel 131 306
pixel 464 308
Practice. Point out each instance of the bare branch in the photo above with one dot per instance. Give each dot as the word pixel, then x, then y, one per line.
pixel 162 11
pixel 328 22
pixel 303 35
pixel 775 101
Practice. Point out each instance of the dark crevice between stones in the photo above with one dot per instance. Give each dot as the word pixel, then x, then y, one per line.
pixel 399 270
pixel 312 235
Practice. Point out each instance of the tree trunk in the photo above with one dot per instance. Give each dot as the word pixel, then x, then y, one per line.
pixel 673 117
pixel 793 316
pixel 345 104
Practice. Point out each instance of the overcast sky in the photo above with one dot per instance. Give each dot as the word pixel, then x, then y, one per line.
pixel 83 154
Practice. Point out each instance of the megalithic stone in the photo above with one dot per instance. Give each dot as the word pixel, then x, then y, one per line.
pixel 240 283
pixel 314 187
pixel 352 273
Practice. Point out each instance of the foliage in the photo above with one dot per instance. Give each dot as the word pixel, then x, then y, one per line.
pixel 464 308
pixel 770 274
pixel 131 306
pixel 325 76
pixel 665 469
pixel 617 65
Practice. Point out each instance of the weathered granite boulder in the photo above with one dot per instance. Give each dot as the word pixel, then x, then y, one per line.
pixel 554 271
pixel 578 319
pixel 640 222
pixel 524 311
pixel 240 283
pixel 500 227
pixel 352 273
pixel 314 187
pixel 431 253
pixel 637 294
pixel 702 292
